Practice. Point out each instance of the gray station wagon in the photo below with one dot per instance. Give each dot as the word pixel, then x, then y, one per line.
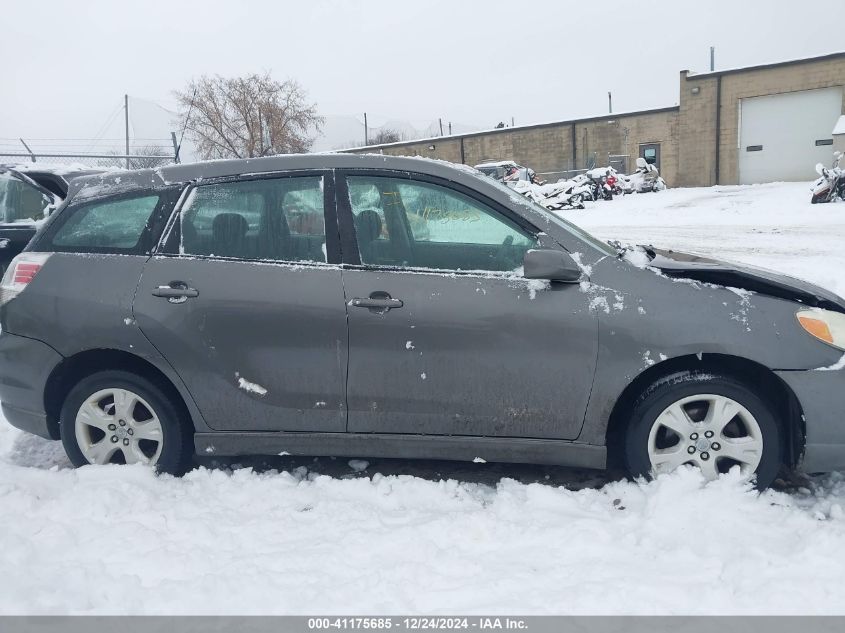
pixel 379 306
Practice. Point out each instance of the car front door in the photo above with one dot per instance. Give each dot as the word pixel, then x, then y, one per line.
pixel 445 336
pixel 245 300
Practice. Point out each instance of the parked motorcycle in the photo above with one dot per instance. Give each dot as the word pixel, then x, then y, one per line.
pixel 645 179
pixel 831 183
pixel 567 194
pixel 602 181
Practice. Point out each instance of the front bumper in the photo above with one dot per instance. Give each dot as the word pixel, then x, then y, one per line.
pixel 25 366
pixel 822 398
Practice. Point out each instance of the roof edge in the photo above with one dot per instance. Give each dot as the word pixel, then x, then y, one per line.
pixel 790 62
pixel 502 130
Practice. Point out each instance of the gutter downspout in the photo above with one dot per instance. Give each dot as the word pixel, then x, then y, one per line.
pixel 718 122
pixel 574 149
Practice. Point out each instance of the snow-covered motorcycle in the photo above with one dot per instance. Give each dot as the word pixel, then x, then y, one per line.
pixel 646 178
pixel 831 182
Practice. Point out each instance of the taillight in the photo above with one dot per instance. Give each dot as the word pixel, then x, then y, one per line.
pixel 25 271
pixel 21 271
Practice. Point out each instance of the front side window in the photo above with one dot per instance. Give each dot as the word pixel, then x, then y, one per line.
pixel 278 219
pixel 20 201
pixel 110 225
pixel 423 225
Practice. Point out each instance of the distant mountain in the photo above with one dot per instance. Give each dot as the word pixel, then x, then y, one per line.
pixel 342 132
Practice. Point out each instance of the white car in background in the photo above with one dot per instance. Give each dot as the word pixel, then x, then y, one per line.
pixel 508 172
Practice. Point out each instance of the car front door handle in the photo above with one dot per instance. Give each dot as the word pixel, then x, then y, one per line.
pixel 176 292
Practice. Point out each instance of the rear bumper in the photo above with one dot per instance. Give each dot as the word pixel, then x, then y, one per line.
pixel 822 398
pixel 25 366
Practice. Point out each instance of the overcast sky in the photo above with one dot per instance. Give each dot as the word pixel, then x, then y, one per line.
pixel 66 65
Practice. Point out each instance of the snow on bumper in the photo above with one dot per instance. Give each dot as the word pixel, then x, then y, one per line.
pixel 822 398
pixel 25 365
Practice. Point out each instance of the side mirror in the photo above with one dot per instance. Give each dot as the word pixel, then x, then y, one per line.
pixel 552 265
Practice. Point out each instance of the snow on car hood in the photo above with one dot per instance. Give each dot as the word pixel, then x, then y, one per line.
pixel 759 280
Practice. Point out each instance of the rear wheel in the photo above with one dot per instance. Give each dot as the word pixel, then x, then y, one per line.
pixel 710 421
pixel 115 417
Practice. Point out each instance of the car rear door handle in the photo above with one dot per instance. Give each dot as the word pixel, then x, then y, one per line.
pixel 378 302
pixel 176 292
pixel 382 304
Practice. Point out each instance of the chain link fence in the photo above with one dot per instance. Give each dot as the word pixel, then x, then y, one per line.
pixel 97 161
pixel 620 162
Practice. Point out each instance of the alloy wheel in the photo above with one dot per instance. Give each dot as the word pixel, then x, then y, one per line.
pixel 709 431
pixel 118 426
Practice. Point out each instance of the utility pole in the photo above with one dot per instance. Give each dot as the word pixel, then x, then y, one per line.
pixel 609 102
pixel 712 58
pixel 512 122
pixel 441 126
pixel 450 128
pixel 126 112
pixel 366 138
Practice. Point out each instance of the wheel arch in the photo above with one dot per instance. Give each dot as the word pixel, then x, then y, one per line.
pixel 785 405
pixel 74 368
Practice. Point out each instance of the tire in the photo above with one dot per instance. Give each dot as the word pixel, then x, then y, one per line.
pixel 153 430
pixel 685 400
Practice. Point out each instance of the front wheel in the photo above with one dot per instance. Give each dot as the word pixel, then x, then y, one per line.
pixel 710 421
pixel 116 417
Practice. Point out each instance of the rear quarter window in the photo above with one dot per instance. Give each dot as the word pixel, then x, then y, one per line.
pixel 104 226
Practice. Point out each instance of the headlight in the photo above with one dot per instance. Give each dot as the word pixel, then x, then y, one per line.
pixel 825 325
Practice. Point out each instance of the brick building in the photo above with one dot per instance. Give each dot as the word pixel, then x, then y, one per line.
pixel 755 124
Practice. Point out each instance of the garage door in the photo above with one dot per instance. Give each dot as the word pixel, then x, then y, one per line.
pixel 783 136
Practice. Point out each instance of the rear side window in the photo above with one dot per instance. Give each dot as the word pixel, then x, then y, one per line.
pixel 108 226
pixel 279 219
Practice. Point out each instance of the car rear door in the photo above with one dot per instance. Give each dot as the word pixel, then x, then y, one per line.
pixel 444 337
pixel 245 300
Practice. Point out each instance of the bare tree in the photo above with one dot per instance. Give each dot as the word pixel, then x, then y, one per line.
pixel 386 135
pixel 148 157
pixel 244 117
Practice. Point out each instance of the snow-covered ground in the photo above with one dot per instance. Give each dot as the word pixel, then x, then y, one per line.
pixel 397 537
pixel 772 225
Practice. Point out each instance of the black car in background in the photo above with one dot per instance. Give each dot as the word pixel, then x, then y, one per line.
pixel 27 196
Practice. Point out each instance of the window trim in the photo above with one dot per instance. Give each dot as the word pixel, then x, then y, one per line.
pixel 168 245
pixel 349 238
pixel 150 236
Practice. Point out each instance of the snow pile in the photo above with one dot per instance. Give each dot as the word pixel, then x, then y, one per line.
pixel 301 542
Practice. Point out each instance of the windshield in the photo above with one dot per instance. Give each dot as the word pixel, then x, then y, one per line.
pixel 20 201
pixel 577 231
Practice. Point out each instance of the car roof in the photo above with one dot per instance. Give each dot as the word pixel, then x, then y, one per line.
pixel 110 183
pixel 288 162
pixel 125 182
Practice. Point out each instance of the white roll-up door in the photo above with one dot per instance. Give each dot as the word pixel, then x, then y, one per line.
pixel 783 136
